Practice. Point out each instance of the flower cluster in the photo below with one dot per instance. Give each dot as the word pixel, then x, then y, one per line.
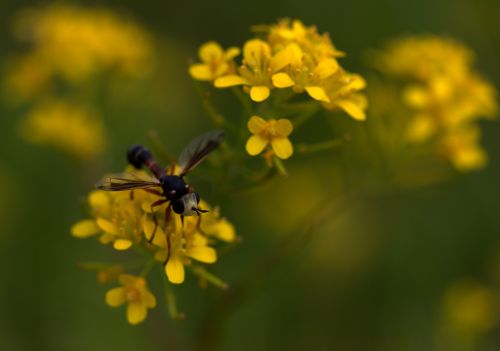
pixel 126 219
pixel 71 128
pixel 445 94
pixel 68 49
pixel 285 62
pixel 290 55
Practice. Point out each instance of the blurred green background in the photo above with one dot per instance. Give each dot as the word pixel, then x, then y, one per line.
pixel 372 277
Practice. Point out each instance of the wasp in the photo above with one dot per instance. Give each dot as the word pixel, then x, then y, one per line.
pixel 182 198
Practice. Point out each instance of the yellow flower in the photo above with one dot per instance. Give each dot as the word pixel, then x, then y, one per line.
pixel 444 94
pixel 273 132
pixel 463 150
pixel 136 294
pixel 118 219
pixel 255 71
pixel 307 61
pixel 76 42
pixel 216 61
pixel 71 128
pixel 213 225
pixel 179 244
pixel 469 308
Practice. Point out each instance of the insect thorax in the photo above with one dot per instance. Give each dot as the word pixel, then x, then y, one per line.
pixel 173 187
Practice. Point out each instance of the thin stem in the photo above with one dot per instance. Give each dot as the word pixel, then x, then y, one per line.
pixel 245 102
pixel 202 273
pixel 321 146
pixel 158 146
pixel 170 299
pixel 147 268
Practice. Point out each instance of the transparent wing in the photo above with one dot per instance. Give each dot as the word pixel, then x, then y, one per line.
pixel 125 181
pixel 198 149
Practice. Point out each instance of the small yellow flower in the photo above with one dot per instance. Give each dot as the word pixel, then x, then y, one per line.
pixel 273 132
pixel 178 244
pixel 136 294
pixel 68 127
pixel 215 61
pixel 255 72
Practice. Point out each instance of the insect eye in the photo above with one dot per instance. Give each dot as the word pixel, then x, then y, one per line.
pixel 178 207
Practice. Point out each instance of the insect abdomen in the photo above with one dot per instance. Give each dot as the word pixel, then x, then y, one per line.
pixel 138 155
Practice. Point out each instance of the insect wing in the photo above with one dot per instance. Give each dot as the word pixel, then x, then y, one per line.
pixel 120 182
pixel 198 149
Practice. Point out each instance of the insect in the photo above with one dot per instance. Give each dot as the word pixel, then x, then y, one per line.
pixel 182 198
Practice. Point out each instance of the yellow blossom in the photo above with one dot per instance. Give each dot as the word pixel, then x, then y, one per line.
pixel 136 294
pixel 215 61
pixel 469 308
pixel 117 219
pixel 273 132
pixel 444 95
pixel 76 42
pixel 71 128
pixel 255 71
pixel 181 243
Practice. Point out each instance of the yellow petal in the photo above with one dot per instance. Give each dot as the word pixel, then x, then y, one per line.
pixel 421 128
pixel 98 199
pixel 231 53
pixel 291 55
pixel 224 230
pixel 255 51
pixel 416 97
pixel 256 124
pixel 122 244
pixel 85 228
pixel 210 52
pixel 115 297
pixel 203 254
pixel 230 81
pixel 283 127
pixel 107 226
pixel 149 299
pixel 201 72
pixel 175 270
pixel 259 93
pixel 255 145
pixel 282 147
pixel 318 93
pixel 136 312
pixel 149 228
pixel 282 80
pixel 352 109
pixel 106 238
pixel 326 68
pixel 127 279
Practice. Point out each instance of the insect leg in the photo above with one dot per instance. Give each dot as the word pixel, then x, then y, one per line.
pixel 155 220
pixel 152 191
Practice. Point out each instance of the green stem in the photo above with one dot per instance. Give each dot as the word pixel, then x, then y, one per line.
pixel 158 146
pixel 202 273
pixel 321 146
pixel 147 268
pixel 243 99
pixel 170 299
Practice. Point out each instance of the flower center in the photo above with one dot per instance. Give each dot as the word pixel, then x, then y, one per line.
pixel 132 294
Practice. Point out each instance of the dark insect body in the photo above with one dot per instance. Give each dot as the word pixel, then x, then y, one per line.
pixel 182 198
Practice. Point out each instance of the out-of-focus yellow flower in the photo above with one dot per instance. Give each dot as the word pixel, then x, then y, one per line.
pixel 255 71
pixel 215 61
pixel 469 308
pixel 77 42
pixel 463 150
pixel 444 93
pixel 109 274
pixel 273 132
pixel 70 128
pixel 136 294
